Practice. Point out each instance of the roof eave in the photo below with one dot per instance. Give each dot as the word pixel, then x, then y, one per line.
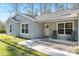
pixel 12 20
pixel 27 16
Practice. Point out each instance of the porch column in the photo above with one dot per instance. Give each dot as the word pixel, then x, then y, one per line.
pixel 78 30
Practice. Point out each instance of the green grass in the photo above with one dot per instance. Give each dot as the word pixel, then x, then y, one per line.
pixel 9 47
pixel 10 38
pixel 7 50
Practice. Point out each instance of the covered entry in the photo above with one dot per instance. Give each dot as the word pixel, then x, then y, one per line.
pixel 46 30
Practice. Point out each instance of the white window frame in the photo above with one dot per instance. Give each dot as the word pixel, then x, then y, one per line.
pixel 21 28
pixel 64 26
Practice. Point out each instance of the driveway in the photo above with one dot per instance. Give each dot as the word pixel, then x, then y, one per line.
pixel 39 46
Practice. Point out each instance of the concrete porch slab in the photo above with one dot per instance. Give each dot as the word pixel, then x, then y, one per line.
pixel 60 41
pixel 37 45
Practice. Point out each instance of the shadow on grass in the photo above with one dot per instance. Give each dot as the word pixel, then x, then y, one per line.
pixel 12 51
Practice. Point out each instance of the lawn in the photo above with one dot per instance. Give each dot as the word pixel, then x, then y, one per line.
pixel 9 47
pixel 7 50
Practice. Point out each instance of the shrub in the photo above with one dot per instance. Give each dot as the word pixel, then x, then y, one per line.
pixel 2 31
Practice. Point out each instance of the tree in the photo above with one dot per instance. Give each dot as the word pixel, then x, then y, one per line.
pixel 15 8
pixel 45 7
pixel 29 8
pixel 2 25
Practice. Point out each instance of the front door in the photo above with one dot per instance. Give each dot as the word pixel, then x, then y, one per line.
pixel 46 30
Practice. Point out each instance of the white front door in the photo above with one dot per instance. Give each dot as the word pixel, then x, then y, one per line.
pixel 46 30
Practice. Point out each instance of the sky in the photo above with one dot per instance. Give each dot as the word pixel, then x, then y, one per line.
pixel 6 9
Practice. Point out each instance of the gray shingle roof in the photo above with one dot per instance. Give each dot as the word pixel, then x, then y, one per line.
pixel 15 19
pixel 32 16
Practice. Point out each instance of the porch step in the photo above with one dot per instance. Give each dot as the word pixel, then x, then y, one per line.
pixel 59 41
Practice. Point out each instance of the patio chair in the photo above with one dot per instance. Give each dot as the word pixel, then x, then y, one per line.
pixel 54 34
pixel 71 37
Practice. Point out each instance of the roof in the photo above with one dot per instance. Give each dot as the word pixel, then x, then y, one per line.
pixel 69 13
pixel 15 19
pixel 24 15
pixel 31 17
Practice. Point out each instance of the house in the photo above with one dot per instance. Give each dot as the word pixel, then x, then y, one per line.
pixel 64 22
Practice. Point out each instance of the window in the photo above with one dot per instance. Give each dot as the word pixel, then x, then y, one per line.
pixel 10 28
pixel 65 28
pixel 24 28
pixel 68 28
pixel 61 28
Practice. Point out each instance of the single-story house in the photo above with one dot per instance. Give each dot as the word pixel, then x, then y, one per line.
pixel 61 24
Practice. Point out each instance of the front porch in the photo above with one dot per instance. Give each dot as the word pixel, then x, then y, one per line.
pixel 63 32
pixel 60 41
pixel 50 48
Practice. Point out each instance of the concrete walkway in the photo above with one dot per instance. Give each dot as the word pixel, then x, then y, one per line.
pixel 36 45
